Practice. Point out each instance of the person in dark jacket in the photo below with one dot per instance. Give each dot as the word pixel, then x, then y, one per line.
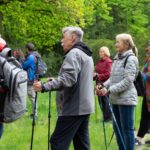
pixel 30 66
pixel 75 96
pixel 102 73
pixel 145 113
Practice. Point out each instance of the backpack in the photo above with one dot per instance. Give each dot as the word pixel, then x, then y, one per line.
pixel 41 67
pixel 139 81
pixel 14 96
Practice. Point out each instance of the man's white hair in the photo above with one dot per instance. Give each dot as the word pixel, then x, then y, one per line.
pixel 74 30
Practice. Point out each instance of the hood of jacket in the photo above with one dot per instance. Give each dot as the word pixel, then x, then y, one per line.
pixel 82 47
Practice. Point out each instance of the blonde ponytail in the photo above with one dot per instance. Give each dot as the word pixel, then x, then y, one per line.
pixel 135 51
pixel 127 39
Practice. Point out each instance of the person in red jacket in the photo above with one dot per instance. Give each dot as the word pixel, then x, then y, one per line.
pixel 102 73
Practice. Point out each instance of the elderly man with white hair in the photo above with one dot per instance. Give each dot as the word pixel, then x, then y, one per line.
pixel 75 96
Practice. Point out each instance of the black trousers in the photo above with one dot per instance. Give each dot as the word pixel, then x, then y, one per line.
pixel 70 128
pixel 104 105
pixel 2 101
pixel 145 120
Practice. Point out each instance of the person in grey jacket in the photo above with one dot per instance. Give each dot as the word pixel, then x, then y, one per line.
pixel 120 86
pixel 75 96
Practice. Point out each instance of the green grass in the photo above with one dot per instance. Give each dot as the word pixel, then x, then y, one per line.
pixel 17 135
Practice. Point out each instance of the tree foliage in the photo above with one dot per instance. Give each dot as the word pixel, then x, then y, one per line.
pixel 42 21
pixel 125 16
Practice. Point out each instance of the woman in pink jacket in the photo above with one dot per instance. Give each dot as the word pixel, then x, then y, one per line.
pixel 102 73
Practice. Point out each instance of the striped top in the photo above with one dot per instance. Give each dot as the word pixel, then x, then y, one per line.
pixel 146 76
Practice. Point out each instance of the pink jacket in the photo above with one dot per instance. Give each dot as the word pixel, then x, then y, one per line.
pixel 103 68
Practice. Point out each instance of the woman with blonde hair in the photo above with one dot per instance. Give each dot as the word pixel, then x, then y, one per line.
pixel 102 73
pixel 121 89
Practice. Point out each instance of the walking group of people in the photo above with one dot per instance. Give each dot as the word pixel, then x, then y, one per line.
pixel 28 63
pixel 75 94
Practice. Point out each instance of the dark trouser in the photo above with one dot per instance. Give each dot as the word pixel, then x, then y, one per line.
pixel 70 128
pixel 145 120
pixel 125 119
pixel 1 129
pixel 103 102
pixel 2 100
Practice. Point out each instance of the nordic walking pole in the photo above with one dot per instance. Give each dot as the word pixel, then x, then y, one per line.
pixel 96 108
pixel 114 119
pixel 104 128
pixel 117 127
pixel 111 139
pixel 105 135
pixel 49 116
pixel 33 121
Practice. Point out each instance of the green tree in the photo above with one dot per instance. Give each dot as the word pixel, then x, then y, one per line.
pixel 41 21
pixel 125 16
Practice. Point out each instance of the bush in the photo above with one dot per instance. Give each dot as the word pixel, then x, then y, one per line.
pixel 53 59
pixel 95 44
pixel 53 62
pixel 141 44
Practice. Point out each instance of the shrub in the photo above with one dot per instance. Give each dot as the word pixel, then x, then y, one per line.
pixel 95 44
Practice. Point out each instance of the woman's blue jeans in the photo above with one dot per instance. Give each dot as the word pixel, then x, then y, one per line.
pixel 125 118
